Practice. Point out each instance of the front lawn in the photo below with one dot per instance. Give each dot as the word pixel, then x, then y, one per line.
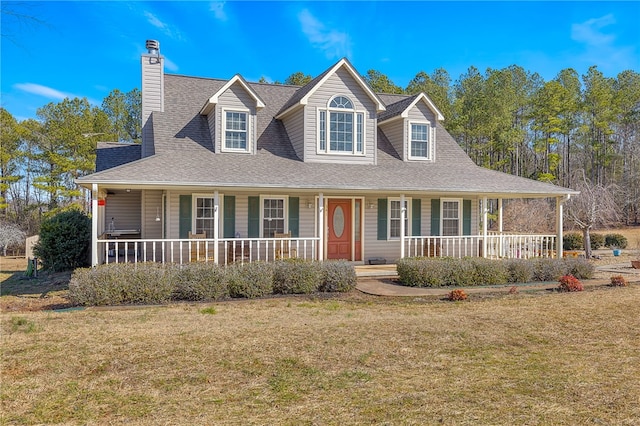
pixel 519 359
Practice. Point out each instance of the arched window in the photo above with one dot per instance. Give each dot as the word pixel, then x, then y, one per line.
pixel 342 126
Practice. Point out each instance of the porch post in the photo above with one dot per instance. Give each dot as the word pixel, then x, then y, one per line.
pixel 559 224
pixel 321 227
pixel 216 225
pixel 94 225
pixel 403 215
pixel 500 227
pixel 484 227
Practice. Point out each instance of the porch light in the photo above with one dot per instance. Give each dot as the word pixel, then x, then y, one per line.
pixel 309 204
pixel 157 214
pixel 371 205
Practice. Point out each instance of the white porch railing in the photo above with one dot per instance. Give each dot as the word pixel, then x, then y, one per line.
pixel 498 246
pixel 227 250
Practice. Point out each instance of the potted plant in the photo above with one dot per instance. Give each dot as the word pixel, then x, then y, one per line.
pixel 635 264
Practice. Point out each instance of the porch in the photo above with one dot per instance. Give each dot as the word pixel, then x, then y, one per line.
pixel 226 251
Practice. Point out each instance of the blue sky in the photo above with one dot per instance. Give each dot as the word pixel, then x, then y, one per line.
pixel 86 49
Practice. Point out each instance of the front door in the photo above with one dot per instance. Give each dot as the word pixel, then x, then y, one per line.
pixel 339 222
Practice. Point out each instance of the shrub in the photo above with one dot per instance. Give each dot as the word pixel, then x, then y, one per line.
pixel 200 281
pixel 619 281
pixel 597 241
pixel 570 283
pixel 457 295
pixel 579 268
pixel 296 276
pixel 519 270
pixel 250 279
pixel 547 269
pixel 421 272
pixel 572 241
pixel 337 276
pixel 65 240
pixel 122 283
pixel 615 241
pixel 513 290
pixel 489 272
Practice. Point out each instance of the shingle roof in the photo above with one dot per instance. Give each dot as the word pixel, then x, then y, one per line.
pixel 113 154
pixel 184 154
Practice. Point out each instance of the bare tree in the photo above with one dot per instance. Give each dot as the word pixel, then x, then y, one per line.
pixel 528 216
pixel 594 207
pixel 10 235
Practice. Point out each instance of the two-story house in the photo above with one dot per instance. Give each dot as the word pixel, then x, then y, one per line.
pixel 231 171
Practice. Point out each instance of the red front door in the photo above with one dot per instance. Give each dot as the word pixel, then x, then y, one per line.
pixel 339 241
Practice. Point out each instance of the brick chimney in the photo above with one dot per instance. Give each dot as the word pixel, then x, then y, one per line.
pixel 152 92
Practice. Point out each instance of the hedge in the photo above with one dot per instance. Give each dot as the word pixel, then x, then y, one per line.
pixel 153 283
pixel 442 272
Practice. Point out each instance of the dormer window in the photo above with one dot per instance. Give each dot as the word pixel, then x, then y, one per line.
pixel 236 134
pixel 419 141
pixel 340 128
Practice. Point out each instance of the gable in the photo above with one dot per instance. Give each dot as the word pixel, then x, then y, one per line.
pixel 236 84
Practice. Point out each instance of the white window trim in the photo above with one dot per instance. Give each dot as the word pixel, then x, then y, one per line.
pixel 328 110
pixel 194 207
pixel 460 219
pixel 285 206
pixel 430 139
pixel 223 132
pixel 407 200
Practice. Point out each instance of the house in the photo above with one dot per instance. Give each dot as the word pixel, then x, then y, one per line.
pixel 230 171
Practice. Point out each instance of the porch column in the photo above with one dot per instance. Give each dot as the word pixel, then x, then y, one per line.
pixel 321 227
pixel 500 228
pixel 484 227
pixel 559 223
pixel 403 215
pixel 216 225
pixel 94 225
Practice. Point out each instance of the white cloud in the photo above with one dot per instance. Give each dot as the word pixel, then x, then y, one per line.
pixel 334 43
pixel 588 32
pixel 217 7
pixel 167 29
pixel 44 91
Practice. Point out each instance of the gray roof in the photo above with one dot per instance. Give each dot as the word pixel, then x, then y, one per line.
pixel 184 154
pixel 113 154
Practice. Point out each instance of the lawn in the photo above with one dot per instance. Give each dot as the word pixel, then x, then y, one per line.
pixel 544 358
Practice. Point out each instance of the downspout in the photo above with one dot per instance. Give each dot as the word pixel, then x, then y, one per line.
pixel 403 215
pixel 559 223
pixel 216 225
pixel 94 225
pixel 321 227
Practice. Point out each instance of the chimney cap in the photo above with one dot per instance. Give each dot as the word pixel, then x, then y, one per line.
pixel 153 46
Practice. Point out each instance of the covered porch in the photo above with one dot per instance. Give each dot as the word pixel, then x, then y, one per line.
pixel 319 218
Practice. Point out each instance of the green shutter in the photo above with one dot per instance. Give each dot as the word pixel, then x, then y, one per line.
pixel 254 217
pixel 466 217
pixel 382 218
pixel 435 216
pixel 185 216
pixel 294 216
pixel 229 216
pixel 416 213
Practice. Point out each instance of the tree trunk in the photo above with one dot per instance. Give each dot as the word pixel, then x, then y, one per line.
pixel 587 242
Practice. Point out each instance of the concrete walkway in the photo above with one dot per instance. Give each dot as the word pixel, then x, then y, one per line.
pixel 380 280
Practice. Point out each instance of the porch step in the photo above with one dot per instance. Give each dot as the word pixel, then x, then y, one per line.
pixel 376 270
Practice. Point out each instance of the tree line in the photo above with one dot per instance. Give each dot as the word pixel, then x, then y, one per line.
pixel 568 130
pixel 41 157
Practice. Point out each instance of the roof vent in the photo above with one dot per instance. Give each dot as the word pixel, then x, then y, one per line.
pixel 153 46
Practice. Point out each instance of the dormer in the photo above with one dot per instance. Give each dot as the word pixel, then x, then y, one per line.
pixel 231 114
pixel 410 126
pixel 334 118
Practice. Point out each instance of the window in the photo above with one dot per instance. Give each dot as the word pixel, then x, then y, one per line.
pixel 236 135
pixel 419 143
pixel 451 217
pixel 342 126
pixel 273 216
pixel 395 216
pixel 204 216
